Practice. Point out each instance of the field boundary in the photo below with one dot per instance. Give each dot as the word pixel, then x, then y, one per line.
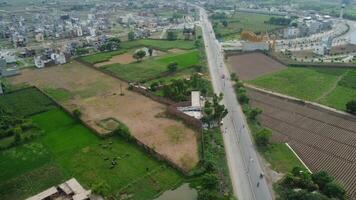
pixel 309 104
pixel 296 155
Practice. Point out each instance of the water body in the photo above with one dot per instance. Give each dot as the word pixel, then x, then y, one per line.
pixel 182 192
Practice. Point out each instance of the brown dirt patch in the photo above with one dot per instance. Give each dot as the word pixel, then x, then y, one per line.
pixel 250 66
pixel 125 58
pixel 102 100
pixel 323 140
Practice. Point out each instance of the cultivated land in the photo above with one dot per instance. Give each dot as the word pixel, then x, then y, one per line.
pixel 153 68
pixel 68 149
pixel 98 97
pixel 329 86
pixel 242 21
pixel 250 66
pixel 323 140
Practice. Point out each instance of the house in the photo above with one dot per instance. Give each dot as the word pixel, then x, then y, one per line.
pixel 70 190
pixel 196 107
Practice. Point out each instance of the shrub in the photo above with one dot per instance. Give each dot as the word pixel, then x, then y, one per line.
pixel 101 188
pixel 77 113
pixel 262 137
pixel 123 131
pixel 351 107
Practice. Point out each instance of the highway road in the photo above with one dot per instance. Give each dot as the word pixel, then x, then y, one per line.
pixel 244 164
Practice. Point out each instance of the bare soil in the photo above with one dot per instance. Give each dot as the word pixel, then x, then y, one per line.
pixel 102 100
pixel 250 66
pixel 125 58
pixel 323 140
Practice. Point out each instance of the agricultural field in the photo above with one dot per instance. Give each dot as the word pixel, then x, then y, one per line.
pixel 324 140
pixel 162 45
pixel 333 87
pixel 154 67
pixel 252 65
pixel 99 98
pixel 68 149
pixel 242 21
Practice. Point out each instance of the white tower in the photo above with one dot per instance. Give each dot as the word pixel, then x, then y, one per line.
pixel 342 11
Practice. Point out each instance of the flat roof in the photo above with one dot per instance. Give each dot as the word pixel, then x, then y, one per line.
pixel 47 193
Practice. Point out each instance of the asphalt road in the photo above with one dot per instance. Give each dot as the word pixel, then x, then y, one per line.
pixel 244 163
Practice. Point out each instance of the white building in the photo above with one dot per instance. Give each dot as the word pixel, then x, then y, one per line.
pixel 291 32
pixel 195 109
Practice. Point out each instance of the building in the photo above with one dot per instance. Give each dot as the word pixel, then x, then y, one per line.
pixel 69 190
pixel 196 107
pixel 291 32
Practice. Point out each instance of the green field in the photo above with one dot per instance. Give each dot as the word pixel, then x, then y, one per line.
pixel 68 149
pixel 25 102
pixel 329 86
pixel 154 67
pixel 242 21
pixel 101 57
pixel 162 45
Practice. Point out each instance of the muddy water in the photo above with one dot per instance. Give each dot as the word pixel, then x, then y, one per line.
pixel 180 193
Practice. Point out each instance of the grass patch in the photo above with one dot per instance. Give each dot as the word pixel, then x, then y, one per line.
pixel 25 102
pixel 162 45
pixel 59 94
pixel 101 57
pixel 154 67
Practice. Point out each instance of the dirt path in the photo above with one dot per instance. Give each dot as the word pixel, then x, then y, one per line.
pixel 326 93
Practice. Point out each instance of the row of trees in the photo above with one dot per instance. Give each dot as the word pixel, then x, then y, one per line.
pixel 300 184
pixel 263 135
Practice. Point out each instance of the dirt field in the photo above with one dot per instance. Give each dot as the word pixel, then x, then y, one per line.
pixel 324 141
pixel 98 97
pixel 250 66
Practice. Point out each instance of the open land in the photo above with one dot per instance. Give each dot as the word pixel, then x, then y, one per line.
pixel 242 21
pixel 154 67
pixel 333 87
pixel 250 66
pixel 324 141
pixel 98 97
pixel 67 149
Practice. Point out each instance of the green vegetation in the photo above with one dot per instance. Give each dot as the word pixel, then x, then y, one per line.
pixel 230 27
pixel 162 45
pixel 154 67
pixel 101 57
pixel 67 149
pixel 180 89
pixel 25 102
pixel 300 184
pixel 329 86
pixel 59 94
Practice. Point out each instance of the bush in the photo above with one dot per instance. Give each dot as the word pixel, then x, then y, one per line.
pixel 262 137
pixel 101 188
pixel 321 179
pixel 172 67
pixel 123 131
pixel 209 181
pixel 253 113
pixel 334 190
pixel 351 107
pixel 77 113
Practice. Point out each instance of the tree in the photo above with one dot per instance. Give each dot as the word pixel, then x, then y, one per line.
pixel 234 77
pixel 209 181
pixel 321 179
pixel 139 55
pixel 333 189
pixel 153 86
pixel 123 131
pixel 131 36
pixel 262 137
pixel 172 67
pixel 150 51
pixel 351 107
pixel 224 23
pixel 214 112
pixel 254 112
pixel 171 35
pixel 77 113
